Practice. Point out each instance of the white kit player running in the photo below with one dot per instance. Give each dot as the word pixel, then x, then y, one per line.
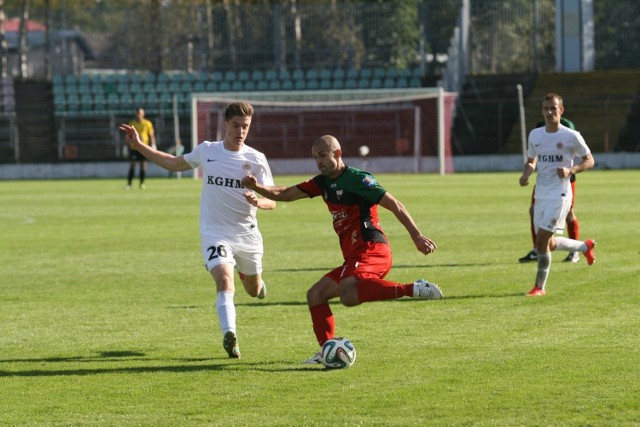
pixel 551 150
pixel 228 225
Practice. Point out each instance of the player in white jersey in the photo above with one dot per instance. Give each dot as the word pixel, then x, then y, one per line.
pixel 551 151
pixel 228 226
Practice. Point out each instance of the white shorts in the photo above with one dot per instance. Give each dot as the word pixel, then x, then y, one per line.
pixel 244 252
pixel 551 214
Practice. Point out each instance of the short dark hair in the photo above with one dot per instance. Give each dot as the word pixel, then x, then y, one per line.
pixel 240 108
pixel 551 95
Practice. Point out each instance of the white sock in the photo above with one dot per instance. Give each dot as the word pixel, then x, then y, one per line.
pixel 565 244
pixel 544 265
pixel 226 311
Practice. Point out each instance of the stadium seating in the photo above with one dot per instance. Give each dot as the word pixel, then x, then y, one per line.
pixel 95 94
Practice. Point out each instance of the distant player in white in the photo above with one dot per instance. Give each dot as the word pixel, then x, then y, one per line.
pixel 551 150
pixel 228 225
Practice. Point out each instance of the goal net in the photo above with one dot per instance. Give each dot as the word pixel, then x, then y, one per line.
pixel 409 126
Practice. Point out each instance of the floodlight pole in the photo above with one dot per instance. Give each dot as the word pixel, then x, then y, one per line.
pixel 441 149
pixel 523 135
pixel 417 138
pixel 176 129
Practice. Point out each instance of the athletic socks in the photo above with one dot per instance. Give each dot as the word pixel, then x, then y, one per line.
pixel 544 265
pixel 226 311
pixel 564 244
pixel 324 326
pixel 381 290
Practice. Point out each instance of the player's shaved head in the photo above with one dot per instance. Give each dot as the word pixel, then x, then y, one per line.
pixel 327 142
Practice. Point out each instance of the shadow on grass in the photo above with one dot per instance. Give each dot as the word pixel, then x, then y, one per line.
pixel 119 356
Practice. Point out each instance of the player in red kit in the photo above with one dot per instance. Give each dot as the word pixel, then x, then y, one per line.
pixel 352 197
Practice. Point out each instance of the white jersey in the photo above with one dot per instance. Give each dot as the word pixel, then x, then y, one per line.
pixel 552 151
pixel 224 211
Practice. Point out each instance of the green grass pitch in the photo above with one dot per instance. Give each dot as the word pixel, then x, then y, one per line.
pixel 107 317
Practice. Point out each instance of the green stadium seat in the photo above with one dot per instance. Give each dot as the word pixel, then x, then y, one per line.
pixel 162 78
pixel 311 74
pixel 86 102
pixel 338 73
pixel 298 74
pixel 313 84
pixel 224 86
pixel 271 75
pixel 324 74
pixel 216 76
pixel 249 85
pixel 379 73
pixel 300 84
pixel 71 89
pixel 149 78
pixel 375 83
pixel 352 73
pixel 243 75
pixel 113 102
pixel 73 103
pixel 288 85
pixel 263 85
pixel 122 88
pixel 58 88
pixel 389 82
pixel 351 83
pixel 338 84
pixel 365 73
pixel 276 85
pixel 99 103
pixel 237 86
pixel 59 102
pixel 402 82
pixel 70 79
pixel 199 86
pixel 257 75
pixel 212 86
pixel 326 84
pixel 186 86
pixel 230 75
pixel 135 88
pixel 363 83
pixel 284 75
pixel 415 82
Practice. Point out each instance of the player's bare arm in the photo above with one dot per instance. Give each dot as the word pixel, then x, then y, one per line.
pixel 162 159
pixel 422 242
pixel 259 202
pixel 527 170
pixel 587 163
pixel 280 194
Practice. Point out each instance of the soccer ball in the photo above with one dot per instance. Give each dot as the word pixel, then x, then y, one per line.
pixel 363 150
pixel 338 353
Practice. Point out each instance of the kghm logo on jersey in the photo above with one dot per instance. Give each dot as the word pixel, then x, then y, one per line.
pixel 550 158
pixel 369 181
pixel 224 182
pixel 246 167
pixel 559 145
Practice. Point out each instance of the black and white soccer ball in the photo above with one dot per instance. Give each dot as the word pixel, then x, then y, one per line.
pixel 338 353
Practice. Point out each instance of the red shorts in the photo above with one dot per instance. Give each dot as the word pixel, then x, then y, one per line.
pixel 374 261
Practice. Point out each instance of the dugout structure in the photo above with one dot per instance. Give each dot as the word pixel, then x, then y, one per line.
pixel 412 122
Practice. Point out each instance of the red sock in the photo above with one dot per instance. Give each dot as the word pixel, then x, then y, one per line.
pixel 324 325
pixel 573 229
pixel 380 290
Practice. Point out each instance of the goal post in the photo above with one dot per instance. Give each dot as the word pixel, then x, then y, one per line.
pixel 408 125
